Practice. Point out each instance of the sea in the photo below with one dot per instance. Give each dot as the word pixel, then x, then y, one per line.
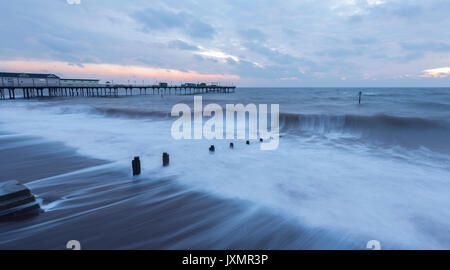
pixel 343 174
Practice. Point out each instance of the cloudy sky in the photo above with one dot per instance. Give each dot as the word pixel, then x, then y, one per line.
pixel 248 43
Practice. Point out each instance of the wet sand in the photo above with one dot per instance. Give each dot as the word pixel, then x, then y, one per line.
pixel 99 204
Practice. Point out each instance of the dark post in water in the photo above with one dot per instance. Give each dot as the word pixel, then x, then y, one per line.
pixel 166 159
pixel 136 164
pixel 212 149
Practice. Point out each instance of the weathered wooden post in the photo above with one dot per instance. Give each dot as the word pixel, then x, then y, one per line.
pixel 136 164
pixel 166 159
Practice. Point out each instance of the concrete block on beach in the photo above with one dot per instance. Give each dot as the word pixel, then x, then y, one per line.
pixel 16 199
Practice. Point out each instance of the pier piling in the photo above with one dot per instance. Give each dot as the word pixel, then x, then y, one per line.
pixel 106 90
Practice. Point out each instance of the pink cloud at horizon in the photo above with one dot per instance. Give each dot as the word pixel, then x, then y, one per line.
pixel 109 71
pixel 436 73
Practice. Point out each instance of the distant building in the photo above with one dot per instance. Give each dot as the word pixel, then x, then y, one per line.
pixel 78 82
pixel 8 79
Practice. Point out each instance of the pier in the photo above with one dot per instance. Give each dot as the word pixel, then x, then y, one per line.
pixel 106 90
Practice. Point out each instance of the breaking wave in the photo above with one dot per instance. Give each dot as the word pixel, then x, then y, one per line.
pixel 406 131
pixel 130 113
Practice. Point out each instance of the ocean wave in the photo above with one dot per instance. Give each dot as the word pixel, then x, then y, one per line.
pixel 406 131
pixel 324 123
pixel 130 113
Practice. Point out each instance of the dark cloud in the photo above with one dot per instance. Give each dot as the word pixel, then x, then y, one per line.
pixel 341 52
pixel 161 19
pixel 403 10
pixel 273 55
pixel 355 19
pixel 364 41
pixel 404 58
pixel 252 35
pixel 426 46
pixel 198 29
pixel 181 45
pixel 291 32
pixel 61 44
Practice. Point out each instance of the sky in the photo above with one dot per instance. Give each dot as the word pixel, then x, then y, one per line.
pixel 246 43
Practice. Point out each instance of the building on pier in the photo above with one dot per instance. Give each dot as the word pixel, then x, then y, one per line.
pixel 78 82
pixel 8 79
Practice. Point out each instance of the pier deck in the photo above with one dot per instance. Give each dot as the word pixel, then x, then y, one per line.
pixel 107 91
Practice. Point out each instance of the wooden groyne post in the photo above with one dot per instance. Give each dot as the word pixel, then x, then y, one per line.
pixel 136 165
pixel 166 159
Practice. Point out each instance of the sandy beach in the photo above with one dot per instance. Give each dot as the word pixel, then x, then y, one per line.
pixel 99 204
